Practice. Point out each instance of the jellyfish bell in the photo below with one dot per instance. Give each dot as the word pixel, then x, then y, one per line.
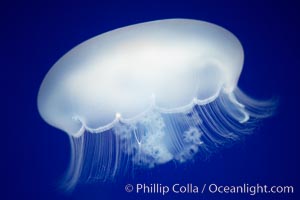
pixel 174 61
pixel 154 92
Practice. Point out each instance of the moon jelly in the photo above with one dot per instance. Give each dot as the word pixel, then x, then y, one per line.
pixel 147 94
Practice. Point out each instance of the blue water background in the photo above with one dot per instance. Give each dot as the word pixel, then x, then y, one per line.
pixel 34 35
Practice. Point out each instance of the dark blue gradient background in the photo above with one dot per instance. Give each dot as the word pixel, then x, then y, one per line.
pixel 35 155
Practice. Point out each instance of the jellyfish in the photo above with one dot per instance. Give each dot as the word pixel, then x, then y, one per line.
pixel 147 94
